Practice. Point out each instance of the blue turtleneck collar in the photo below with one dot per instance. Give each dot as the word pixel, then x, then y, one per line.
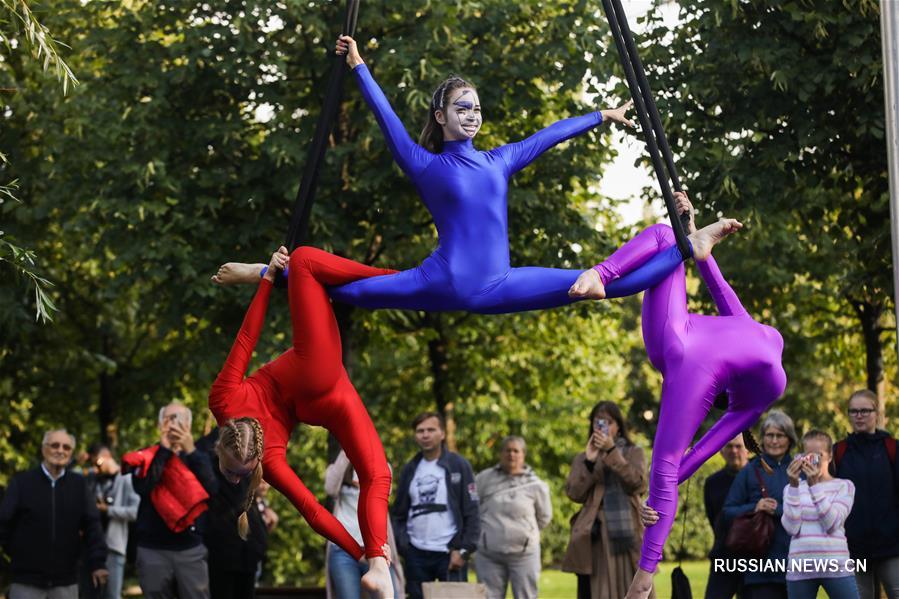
pixel 464 146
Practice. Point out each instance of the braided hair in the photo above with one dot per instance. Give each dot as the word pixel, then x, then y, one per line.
pixel 242 439
pixel 432 135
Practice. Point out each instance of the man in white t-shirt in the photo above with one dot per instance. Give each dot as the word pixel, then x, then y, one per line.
pixel 435 514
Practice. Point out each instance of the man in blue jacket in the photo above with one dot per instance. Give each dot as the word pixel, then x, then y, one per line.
pixel 44 515
pixel 435 514
pixel 867 457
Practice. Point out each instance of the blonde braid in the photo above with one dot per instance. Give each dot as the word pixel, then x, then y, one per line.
pixel 243 439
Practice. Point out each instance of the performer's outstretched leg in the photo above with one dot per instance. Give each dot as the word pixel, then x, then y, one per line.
pixel 316 337
pixel 732 423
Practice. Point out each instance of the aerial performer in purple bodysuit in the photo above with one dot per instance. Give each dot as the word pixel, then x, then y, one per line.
pixel 699 357
pixel 465 191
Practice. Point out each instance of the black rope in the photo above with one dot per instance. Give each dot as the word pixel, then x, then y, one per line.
pixel 650 120
pixel 299 220
pixel 683 531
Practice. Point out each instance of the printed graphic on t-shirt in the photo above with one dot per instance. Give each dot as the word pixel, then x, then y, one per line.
pixel 431 525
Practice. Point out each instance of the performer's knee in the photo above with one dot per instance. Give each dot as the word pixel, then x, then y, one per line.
pixel 304 256
pixel 663 233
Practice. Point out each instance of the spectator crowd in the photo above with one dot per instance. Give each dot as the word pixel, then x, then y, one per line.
pixel 173 509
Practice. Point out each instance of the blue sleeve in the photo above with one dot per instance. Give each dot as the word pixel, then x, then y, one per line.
pixel 739 498
pixel 410 156
pixel 520 154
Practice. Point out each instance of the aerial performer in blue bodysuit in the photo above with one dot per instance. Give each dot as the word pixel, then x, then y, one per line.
pixel 465 191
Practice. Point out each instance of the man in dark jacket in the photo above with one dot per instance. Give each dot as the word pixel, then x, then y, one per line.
pixel 867 457
pixel 169 560
pixel 43 516
pixel 233 562
pixel 435 515
pixel 723 584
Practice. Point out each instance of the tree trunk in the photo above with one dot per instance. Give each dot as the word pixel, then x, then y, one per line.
pixel 437 352
pixel 107 408
pixel 869 317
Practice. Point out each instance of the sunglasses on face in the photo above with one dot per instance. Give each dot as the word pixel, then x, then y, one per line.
pixel 58 445
pixel 861 411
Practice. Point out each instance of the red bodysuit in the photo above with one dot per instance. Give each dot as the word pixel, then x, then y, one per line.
pixel 308 383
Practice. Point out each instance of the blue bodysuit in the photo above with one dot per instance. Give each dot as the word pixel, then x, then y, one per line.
pixel 465 191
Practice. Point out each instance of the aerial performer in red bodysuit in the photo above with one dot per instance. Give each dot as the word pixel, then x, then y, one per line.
pixel 307 383
pixel 699 357
pixel 465 191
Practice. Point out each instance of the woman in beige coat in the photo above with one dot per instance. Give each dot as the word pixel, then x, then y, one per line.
pixel 608 479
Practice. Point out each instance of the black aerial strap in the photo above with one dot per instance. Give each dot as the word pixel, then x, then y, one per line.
pixel 650 121
pixel 299 220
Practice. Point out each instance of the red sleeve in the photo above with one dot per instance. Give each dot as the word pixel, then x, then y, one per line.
pixel 235 367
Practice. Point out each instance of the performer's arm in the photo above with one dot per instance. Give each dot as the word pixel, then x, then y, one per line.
pixel 410 156
pixel 520 154
pixel 724 296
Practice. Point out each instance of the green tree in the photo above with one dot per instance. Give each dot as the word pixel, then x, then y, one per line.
pixel 776 111
pixel 20 29
pixel 164 162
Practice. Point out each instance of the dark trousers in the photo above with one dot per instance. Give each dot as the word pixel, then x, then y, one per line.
pixel 425 566
pixel 724 585
pixel 228 584
pixel 765 591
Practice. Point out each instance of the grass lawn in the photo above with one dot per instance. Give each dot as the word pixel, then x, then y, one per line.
pixel 555 584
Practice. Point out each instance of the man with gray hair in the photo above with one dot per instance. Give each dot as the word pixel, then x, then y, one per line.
pixel 44 515
pixel 514 508
pixel 171 557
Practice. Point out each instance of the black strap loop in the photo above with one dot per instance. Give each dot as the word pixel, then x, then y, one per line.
pixel 299 220
pixel 650 120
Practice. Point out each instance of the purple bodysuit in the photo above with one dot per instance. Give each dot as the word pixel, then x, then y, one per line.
pixel 699 357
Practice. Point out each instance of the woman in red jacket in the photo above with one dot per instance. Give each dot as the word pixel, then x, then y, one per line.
pixel 307 383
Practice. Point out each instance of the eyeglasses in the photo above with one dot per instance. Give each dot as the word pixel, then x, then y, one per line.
pixel 775 436
pixel 861 411
pixel 57 445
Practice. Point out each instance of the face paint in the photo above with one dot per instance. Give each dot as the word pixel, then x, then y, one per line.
pixel 463 116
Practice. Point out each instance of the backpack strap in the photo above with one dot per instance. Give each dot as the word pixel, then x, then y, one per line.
pixel 839 450
pixel 890 444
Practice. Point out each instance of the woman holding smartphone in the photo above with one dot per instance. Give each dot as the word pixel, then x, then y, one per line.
pixel 607 478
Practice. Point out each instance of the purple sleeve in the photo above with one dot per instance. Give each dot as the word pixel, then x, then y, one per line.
pixel 410 156
pixel 520 154
pixel 725 299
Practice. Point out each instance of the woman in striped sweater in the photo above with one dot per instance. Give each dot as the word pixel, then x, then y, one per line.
pixel 815 508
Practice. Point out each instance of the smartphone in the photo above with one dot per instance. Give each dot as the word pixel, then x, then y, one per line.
pixel 601 424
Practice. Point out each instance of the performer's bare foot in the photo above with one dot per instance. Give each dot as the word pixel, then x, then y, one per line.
pixel 641 585
pixel 377 580
pixel 707 237
pixel 588 286
pixel 237 273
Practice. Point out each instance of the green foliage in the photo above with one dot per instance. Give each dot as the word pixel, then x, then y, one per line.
pixel 775 110
pixel 181 148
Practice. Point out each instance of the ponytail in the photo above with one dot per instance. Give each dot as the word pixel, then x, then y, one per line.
pixel 242 438
pixel 753 446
